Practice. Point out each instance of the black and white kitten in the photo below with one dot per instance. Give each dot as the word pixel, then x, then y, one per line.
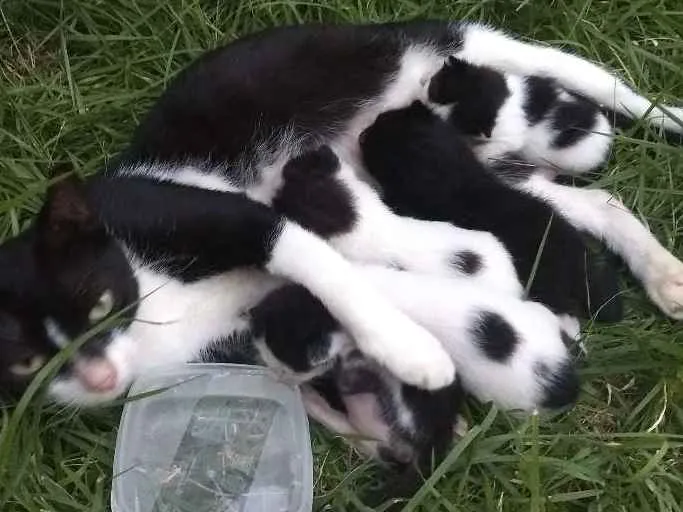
pixel 529 118
pixel 178 218
pixel 427 170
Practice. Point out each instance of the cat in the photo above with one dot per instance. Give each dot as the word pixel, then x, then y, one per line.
pixel 180 215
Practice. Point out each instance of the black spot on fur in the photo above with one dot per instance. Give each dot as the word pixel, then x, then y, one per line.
pixel 541 95
pixel 495 336
pixel 467 262
pixel 476 93
pixel 573 120
pixel 561 387
pixel 313 196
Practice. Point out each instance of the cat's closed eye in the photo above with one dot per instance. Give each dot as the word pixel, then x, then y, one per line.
pixel 102 308
pixel 28 366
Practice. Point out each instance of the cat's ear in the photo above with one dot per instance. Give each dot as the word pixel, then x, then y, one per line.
pixel 66 215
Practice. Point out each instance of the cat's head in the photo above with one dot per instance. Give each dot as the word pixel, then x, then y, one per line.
pixel 74 279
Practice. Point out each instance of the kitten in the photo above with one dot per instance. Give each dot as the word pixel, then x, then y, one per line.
pixel 528 118
pixel 494 340
pixel 427 170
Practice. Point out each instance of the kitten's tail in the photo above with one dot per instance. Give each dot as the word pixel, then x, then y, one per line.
pixel 489 47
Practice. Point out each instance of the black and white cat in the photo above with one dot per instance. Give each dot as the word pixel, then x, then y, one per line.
pixel 178 230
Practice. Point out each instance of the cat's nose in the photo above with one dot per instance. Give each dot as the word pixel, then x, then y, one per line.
pixel 97 374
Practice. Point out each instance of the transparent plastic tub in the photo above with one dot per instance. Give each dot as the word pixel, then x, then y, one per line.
pixel 217 438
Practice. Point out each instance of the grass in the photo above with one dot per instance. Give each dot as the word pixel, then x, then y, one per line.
pixel 75 76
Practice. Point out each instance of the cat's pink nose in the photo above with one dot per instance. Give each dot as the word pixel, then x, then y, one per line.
pixel 97 375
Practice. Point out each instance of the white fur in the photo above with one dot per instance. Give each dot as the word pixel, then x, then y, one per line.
pixel 511 126
pixel 486 46
pixel 602 215
pixel 380 330
pixel 379 236
pixel 449 308
pixel 190 175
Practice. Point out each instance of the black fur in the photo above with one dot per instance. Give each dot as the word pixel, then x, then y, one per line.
pixel 495 336
pixel 307 79
pixel 190 233
pixel 573 120
pixel 541 96
pixel 467 262
pixel 562 387
pixel 427 170
pixel 22 335
pixel 313 196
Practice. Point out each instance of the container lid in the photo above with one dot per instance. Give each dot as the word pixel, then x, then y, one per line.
pixel 212 438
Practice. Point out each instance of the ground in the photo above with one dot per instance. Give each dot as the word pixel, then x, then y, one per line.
pixel 75 76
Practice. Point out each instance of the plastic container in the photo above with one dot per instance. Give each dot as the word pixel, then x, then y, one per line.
pixel 216 438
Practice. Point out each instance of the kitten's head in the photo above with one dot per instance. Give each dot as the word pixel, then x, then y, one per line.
pixel 88 284
pixel 394 135
pixel 476 94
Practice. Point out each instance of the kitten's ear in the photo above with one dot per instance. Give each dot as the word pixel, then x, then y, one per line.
pixel 456 63
pixel 66 215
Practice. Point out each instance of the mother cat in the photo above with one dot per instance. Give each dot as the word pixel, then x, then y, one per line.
pixel 185 198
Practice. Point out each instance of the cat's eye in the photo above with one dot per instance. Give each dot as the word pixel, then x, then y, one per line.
pixel 28 366
pixel 102 308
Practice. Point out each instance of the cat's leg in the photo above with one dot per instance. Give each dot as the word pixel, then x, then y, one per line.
pixel 490 47
pixel 378 329
pixel 218 231
pixel 602 215
pixel 494 339
pixel 326 196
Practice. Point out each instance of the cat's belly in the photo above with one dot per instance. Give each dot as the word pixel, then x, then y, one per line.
pixel 176 321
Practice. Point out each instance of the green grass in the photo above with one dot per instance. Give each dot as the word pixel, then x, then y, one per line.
pixel 76 75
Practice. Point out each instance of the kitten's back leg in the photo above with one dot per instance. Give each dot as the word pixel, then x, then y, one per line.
pixel 600 214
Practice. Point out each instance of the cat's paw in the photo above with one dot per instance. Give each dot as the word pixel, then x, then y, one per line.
pixel 439 248
pixel 664 285
pixel 409 352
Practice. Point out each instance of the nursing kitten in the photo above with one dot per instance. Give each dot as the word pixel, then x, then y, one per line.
pixel 532 119
pixel 427 170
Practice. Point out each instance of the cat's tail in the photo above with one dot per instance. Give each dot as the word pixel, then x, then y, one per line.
pixel 486 46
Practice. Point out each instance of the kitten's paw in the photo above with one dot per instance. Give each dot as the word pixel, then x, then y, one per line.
pixel 665 286
pixel 409 352
pixel 440 248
